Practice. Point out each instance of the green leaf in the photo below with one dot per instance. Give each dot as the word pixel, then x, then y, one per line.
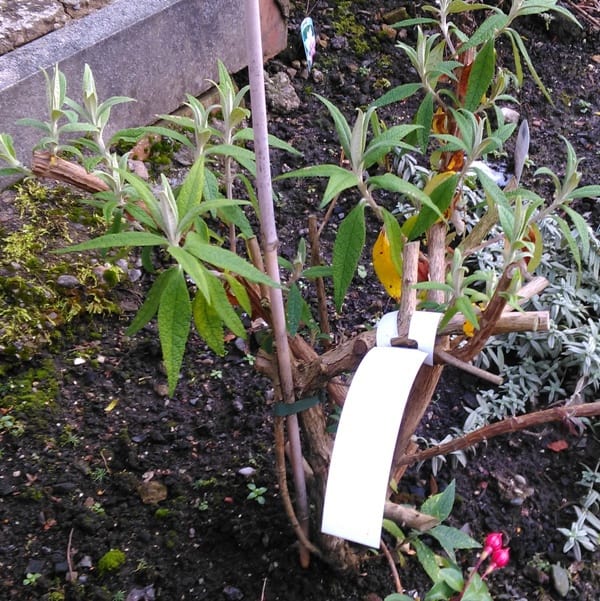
pixel 337 184
pixel 225 259
pixel 477 590
pixel 243 156
pixel 465 306
pixel 340 179
pixel 318 271
pixel 341 125
pixel 394 183
pixel 397 94
pixel 190 193
pixel 28 122
pixel 488 30
pixel 209 324
pixel 453 578
pixel 150 305
pixel 480 78
pixel 192 267
pixel 174 320
pixel 393 529
pixel 294 309
pixel 247 134
pixel 441 197
pixel 498 200
pixel 398 597
pixel 423 118
pixel 347 250
pixel 116 241
pixel 522 50
pixel 239 291
pixel 585 192
pixel 440 591
pixel 145 193
pixel 573 246
pixel 427 560
pixel 134 134
pixel 582 229
pixel 222 305
pixel 395 237
pixel 327 170
pixel 460 6
pixel 440 506
pixel 452 539
pixel 387 140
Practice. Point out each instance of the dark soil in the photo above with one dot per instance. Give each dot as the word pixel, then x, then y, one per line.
pixel 76 481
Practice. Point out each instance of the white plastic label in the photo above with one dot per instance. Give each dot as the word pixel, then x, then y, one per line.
pixel 368 428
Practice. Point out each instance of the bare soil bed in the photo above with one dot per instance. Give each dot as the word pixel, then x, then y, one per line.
pixel 108 461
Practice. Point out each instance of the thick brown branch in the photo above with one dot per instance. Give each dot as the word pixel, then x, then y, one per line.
pixel 512 424
pixel 315 259
pixel 347 355
pixel 489 317
pixel 52 167
pixel 403 515
pixel 408 299
pixel 509 321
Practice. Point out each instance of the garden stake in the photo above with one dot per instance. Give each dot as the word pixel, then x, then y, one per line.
pixel 270 244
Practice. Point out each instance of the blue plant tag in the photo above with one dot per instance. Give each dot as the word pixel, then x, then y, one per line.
pixel 309 39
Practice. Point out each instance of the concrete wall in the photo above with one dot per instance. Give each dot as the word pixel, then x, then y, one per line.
pixel 154 50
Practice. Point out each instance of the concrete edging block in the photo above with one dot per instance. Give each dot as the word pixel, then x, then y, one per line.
pixel 155 51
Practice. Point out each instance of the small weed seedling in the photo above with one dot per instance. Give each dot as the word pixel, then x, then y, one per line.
pixel 256 493
pixel 31 578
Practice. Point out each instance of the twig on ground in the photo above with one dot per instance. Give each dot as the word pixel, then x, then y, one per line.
pixel 394 570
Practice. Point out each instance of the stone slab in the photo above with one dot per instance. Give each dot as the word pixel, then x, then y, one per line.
pixel 155 51
pixel 22 21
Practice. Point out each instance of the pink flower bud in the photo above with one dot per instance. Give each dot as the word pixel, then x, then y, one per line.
pixel 493 542
pixel 500 558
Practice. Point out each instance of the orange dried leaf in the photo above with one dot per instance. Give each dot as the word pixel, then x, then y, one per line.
pixel 558 445
pixel 468 329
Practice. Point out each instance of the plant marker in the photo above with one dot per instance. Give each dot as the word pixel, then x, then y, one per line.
pixel 366 435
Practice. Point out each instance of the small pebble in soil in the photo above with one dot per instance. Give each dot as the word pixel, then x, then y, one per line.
pixel 247 472
pixel 232 593
pixel 560 580
pixel 67 281
pixel 142 594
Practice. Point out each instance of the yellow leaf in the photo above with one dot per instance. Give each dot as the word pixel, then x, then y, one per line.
pixel 111 405
pixel 437 180
pixel 384 266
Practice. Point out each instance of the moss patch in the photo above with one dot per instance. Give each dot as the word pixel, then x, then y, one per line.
pixel 39 290
pixel 30 390
pixel 345 24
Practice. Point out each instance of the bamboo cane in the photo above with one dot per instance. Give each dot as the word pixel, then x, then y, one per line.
pixel 270 244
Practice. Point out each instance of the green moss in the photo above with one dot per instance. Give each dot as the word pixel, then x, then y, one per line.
pixel 30 390
pixel 33 304
pixel 111 561
pixel 345 24
pixel 56 596
pixel 171 539
pixel 162 513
